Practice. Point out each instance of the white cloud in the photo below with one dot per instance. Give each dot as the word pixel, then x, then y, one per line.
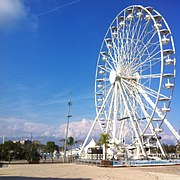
pixel 78 129
pixel 168 138
pixel 13 127
pixel 14 14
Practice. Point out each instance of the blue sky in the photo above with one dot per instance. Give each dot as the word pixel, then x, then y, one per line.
pixel 50 48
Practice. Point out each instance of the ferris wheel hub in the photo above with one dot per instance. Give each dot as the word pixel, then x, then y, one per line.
pixel 112 76
pixel 120 74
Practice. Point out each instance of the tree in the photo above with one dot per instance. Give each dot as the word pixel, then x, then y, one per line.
pixel 50 148
pixel 1 151
pixel 7 151
pixel 104 139
pixel 19 151
pixel 169 148
pixel 31 153
pixel 71 142
pixel 10 150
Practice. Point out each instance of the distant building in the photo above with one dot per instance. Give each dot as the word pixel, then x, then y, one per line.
pixel 27 141
pixel 36 142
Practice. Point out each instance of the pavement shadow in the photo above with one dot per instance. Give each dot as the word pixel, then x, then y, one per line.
pixel 38 178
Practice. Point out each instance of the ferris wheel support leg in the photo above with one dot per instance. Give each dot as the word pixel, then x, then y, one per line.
pixel 151 126
pixel 161 116
pixel 168 124
pixel 115 114
pixel 95 121
pixel 110 111
pixel 158 142
pixel 87 137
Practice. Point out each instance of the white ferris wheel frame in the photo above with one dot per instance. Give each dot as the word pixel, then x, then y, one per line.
pixel 120 87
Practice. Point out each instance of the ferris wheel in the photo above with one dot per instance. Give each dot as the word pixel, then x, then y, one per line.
pixel 135 77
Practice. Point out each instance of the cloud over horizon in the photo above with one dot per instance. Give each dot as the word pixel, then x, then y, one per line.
pixel 13 127
pixel 18 128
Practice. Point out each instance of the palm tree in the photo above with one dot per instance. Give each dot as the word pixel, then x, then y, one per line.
pixel 104 138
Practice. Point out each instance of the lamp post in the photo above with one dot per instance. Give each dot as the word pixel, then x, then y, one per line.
pixel 67 128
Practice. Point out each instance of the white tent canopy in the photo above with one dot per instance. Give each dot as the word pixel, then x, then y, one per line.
pixel 90 145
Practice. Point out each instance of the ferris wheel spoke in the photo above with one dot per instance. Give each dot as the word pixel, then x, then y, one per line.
pixel 110 112
pixel 106 98
pixel 150 59
pixel 151 92
pixel 145 29
pixel 139 100
pixel 115 49
pixel 146 89
pixel 133 104
pixel 110 54
pixel 123 36
pixel 128 34
pixel 146 60
pixel 111 66
pixel 140 49
pixel 151 33
pixel 118 42
pixel 115 110
pixel 145 108
pixel 150 46
pixel 120 38
pixel 104 69
pixel 121 132
pixel 138 34
pixel 141 52
pixel 149 64
pixel 138 37
pixel 108 66
pixel 121 48
pixel 104 87
pixel 145 46
pixel 135 27
pixel 150 76
pixel 113 60
pixel 130 51
pixel 129 88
